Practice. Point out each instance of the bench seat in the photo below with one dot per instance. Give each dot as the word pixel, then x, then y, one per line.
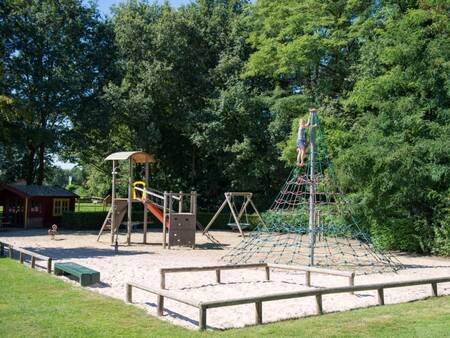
pixel 85 275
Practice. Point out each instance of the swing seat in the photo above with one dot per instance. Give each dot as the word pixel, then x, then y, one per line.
pixel 235 227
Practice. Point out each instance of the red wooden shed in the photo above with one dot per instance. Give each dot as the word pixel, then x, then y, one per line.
pixel 34 206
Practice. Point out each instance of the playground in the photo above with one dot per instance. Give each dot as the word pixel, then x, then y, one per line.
pixel 308 256
pixel 141 263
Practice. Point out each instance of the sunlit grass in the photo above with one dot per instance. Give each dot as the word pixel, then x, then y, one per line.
pixel 35 304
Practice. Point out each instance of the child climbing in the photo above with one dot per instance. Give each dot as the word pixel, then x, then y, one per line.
pixel 301 140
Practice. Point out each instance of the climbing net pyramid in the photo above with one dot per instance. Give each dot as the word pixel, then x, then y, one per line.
pixel 310 223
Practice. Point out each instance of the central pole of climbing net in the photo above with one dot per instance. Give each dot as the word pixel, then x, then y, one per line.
pixel 312 188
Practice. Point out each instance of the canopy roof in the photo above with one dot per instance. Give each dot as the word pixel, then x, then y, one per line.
pixel 136 157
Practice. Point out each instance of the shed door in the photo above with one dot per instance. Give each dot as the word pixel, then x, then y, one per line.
pixel 14 211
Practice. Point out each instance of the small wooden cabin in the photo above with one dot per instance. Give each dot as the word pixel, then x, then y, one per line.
pixel 34 206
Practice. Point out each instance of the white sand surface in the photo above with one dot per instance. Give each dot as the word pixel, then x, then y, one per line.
pixel 141 263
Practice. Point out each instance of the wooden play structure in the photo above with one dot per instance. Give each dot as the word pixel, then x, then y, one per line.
pixel 236 215
pixel 177 212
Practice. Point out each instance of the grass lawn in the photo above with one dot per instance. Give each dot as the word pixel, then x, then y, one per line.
pixel 86 207
pixel 34 304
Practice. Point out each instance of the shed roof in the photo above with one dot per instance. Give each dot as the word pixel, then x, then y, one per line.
pixel 136 156
pixel 38 190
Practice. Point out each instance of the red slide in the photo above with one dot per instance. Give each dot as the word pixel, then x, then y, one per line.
pixel 157 212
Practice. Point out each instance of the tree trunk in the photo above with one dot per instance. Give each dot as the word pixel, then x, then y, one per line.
pixel 41 170
pixel 29 171
pixel 193 165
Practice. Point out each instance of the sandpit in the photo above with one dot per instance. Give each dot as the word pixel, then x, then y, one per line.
pixel 141 263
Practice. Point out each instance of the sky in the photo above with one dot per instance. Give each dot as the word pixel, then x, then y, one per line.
pixel 105 5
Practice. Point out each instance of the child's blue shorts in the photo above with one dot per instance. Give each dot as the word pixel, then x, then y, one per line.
pixel 301 143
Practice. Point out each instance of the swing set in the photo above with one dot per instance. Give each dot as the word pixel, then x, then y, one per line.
pixel 235 219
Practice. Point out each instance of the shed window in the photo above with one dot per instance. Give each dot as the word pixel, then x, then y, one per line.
pixel 60 205
pixel 36 207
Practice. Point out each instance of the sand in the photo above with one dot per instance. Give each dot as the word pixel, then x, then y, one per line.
pixel 141 263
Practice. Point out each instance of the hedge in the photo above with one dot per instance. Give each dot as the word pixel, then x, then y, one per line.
pixel 93 220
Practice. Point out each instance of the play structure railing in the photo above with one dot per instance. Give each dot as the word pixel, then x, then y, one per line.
pixel 156 196
pixel 23 252
pixel 258 300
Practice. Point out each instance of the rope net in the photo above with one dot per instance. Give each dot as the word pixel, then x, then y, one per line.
pixel 310 223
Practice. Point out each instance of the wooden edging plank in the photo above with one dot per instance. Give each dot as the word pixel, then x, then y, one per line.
pixel 159 292
pixel 312 269
pixel 325 291
pixel 318 293
pixel 23 252
pixel 213 267
pixel 218 268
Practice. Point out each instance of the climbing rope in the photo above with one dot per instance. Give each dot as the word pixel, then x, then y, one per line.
pixel 339 242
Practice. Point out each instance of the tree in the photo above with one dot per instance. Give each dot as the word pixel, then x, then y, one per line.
pixel 175 65
pixel 306 46
pixel 398 163
pixel 51 70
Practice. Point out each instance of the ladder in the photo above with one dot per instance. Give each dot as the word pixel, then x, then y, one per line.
pixel 120 211
pixel 106 224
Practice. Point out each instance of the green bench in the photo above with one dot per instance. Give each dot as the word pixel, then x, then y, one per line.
pixel 85 275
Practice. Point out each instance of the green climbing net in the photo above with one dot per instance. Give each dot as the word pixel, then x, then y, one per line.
pixel 332 240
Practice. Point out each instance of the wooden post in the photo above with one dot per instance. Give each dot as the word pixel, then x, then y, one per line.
pixel 26 214
pixel 170 216
pixel 113 202
pixel 2 249
pixel 180 203
pixel 351 281
pixel 33 262
pixel 21 257
pixel 218 276
pixel 144 235
pixel 319 309
pixel 380 296
pixel 194 209
pixel 312 189
pixel 257 213
pixel 164 219
pixel 130 203
pixel 162 280
pixel 193 203
pixel 267 273
pixel 244 206
pixel 10 251
pixel 160 310
pixel 308 278
pixel 258 312
pixel 49 265
pixel 228 197
pixel 434 291
pixel 129 295
pixel 202 318
pixel 215 216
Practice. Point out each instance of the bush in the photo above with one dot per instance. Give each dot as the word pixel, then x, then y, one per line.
pixel 441 245
pixel 91 220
